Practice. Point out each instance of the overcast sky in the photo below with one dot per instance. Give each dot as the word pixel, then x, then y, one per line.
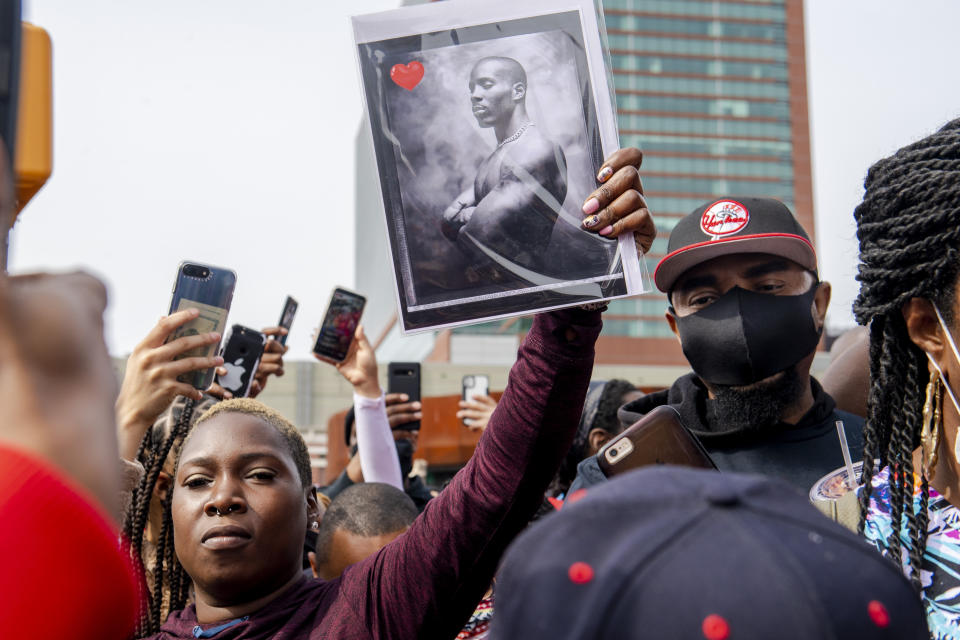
pixel 224 131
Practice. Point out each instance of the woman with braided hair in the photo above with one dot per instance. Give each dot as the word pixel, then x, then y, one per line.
pixel 240 502
pixel 155 411
pixel 146 523
pixel 909 230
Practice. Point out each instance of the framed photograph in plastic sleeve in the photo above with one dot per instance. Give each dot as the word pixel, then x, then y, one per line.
pixel 489 122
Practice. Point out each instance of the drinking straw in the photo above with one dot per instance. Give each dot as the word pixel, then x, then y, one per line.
pixel 845 450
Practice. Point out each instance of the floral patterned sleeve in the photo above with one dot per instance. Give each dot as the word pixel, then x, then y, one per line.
pixel 940 573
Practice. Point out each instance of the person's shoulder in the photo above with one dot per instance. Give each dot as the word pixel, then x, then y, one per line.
pixel 536 149
pixel 542 144
pixel 589 475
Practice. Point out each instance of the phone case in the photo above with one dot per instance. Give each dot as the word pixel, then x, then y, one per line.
pixel 475 385
pixel 241 357
pixel 339 324
pixel 209 289
pixel 286 318
pixel 404 377
pixel 657 438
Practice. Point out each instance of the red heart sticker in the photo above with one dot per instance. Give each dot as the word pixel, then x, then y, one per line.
pixel 407 75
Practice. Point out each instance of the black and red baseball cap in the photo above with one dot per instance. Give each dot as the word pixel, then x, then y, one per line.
pixel 734 224
pixel 669 552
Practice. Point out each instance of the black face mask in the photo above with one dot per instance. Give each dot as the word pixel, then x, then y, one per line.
pixel 745 336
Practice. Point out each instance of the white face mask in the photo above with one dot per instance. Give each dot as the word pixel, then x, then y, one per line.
pixel 946 384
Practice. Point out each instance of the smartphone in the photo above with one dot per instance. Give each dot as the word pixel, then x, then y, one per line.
pixel 474 385
pixel 657 438
pixel 242 350
pixel 404 377
pixel 286 318
pixel 338 326
pixel 209 289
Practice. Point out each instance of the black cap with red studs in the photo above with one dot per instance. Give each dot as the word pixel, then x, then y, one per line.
pixel 668 552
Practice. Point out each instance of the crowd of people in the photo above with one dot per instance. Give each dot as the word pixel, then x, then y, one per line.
pixel 151 509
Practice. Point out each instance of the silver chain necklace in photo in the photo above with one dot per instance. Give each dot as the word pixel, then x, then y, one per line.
pixel 515 135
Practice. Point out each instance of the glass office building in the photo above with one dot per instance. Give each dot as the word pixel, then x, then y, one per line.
pixel 714 92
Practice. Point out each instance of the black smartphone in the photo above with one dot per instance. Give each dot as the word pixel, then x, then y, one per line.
pixel 242 350
pixel 657 438
pixel 404 377
pixel 209 289
pixel 474 385
pixel 338 326
pixel 286 318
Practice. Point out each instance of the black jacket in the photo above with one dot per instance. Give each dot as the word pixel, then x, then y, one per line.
pixel 801 454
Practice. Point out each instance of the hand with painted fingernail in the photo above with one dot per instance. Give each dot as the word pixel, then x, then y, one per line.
pixel 618 206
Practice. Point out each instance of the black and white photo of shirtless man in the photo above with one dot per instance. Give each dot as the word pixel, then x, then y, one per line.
pixel 510 210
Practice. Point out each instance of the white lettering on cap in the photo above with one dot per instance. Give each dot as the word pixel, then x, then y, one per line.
pixel 723 218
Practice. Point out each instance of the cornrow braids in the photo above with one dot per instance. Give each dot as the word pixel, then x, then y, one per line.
pixel 908 226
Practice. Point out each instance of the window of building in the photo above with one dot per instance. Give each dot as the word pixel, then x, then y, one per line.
pixel 698 86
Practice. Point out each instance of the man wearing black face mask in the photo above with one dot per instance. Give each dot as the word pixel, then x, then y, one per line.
pixel 748 308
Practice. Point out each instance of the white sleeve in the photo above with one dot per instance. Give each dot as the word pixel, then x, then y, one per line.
pixel 378 453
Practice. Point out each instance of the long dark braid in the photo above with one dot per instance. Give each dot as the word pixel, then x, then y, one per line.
pixel 909 229
pixel 169 577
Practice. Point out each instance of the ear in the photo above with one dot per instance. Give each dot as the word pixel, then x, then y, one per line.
pixel 312 558
pixel 313 507
pixel 821 300
pixel 162 488
pixel 519 91
pixel 597 438
pixel 924 329
pixel 672 321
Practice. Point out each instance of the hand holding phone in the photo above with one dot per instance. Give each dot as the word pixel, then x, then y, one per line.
pixel 475 385
pixel 404 377
pixel 401 410
pixel 657 438
pixel 271 363
pixel 151 377
pixel 339 326
pixel 210 290
pixel 360 366
pixel 477 406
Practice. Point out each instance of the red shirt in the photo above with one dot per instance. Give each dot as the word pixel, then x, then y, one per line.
pixel 62 574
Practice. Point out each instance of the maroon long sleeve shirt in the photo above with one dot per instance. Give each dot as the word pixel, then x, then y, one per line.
pixel 426 583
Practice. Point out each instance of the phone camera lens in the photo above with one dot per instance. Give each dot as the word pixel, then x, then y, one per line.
pixel 196 271
pixel 613 453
